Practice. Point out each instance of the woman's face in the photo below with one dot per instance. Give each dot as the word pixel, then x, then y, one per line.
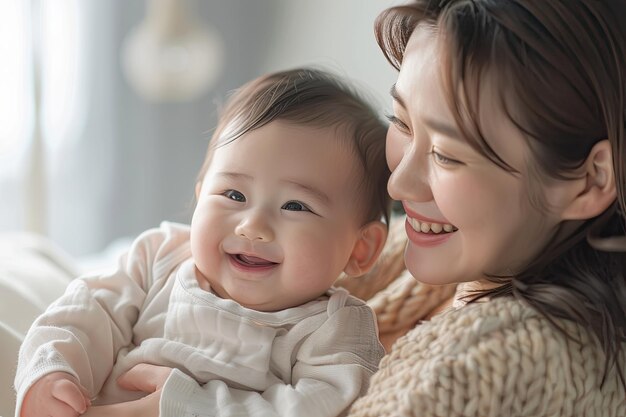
pixel 466 217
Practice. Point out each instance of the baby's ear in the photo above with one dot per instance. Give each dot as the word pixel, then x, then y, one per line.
pixel 366 249
pixel 597 191
pixel 198 189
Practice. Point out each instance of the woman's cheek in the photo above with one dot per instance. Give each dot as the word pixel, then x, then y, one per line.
pixel 460 199
pixel 394 149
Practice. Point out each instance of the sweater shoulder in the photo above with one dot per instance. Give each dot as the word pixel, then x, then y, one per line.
pixel 499 357
pixel 501 329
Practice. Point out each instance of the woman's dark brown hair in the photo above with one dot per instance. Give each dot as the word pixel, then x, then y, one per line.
pixel 560 70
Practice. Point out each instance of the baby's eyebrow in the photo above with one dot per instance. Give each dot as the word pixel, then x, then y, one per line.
pixel 235 176
pixel 309 189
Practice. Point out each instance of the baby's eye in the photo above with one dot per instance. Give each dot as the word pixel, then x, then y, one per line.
pixel 295 206
pixel 235 195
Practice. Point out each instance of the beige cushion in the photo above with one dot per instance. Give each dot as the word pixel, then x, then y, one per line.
pixel 33 273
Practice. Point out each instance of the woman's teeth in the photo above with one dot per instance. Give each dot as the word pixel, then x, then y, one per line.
pixel 424 227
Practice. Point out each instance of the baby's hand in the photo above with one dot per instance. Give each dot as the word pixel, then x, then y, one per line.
pixel 58 394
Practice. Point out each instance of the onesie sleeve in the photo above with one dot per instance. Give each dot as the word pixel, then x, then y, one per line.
pixel 332 368
pixel 82 332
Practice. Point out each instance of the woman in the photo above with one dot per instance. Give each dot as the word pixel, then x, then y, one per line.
pixel 508 126
pixel 507 151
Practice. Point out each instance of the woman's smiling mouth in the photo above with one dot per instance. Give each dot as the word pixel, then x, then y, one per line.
pixel 428 235
pixel 426 227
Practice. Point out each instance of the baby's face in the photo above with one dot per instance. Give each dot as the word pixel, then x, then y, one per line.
pixel 276 219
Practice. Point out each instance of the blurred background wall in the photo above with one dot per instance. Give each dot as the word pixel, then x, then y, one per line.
pixel 116 161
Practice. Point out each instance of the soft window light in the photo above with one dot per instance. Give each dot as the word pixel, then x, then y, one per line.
pixel 15 76
pixel 41 102
pixel 63 88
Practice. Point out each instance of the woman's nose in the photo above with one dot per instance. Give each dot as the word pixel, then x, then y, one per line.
pixel 255 226
pixel 409 178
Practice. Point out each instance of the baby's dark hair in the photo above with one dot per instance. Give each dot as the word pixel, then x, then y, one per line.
pixel 316 98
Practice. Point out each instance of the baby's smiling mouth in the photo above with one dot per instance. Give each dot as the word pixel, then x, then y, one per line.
pixel 251 261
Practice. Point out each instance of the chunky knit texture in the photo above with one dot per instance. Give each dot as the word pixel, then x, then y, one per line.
pixel 498 358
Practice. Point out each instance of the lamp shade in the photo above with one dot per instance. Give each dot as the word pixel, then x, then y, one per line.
pixel 171 56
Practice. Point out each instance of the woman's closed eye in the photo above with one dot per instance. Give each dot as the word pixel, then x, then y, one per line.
pixel 399 124
pixel 234 195
pixel 295 206
pixel 442 159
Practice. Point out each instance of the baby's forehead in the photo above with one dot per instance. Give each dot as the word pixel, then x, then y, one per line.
pixel 318 149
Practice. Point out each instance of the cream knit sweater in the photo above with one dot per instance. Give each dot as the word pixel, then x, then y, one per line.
pixel 497 358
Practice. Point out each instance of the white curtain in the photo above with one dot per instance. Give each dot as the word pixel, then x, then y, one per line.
pixel 113 163
pixel 55 82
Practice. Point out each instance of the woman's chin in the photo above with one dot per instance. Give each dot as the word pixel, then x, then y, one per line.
pixel 429 272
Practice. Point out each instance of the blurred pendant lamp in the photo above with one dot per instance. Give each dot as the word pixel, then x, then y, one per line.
pixel 171 56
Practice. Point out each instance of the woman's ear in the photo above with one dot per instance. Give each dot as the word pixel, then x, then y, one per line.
pixel 367 248
pixel 598 191
pixel 198 189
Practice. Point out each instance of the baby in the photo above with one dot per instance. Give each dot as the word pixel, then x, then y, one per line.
pixel 291 194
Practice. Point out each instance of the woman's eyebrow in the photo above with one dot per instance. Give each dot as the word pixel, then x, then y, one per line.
pixel 396 96
pixel 439 126
pixel 444 128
